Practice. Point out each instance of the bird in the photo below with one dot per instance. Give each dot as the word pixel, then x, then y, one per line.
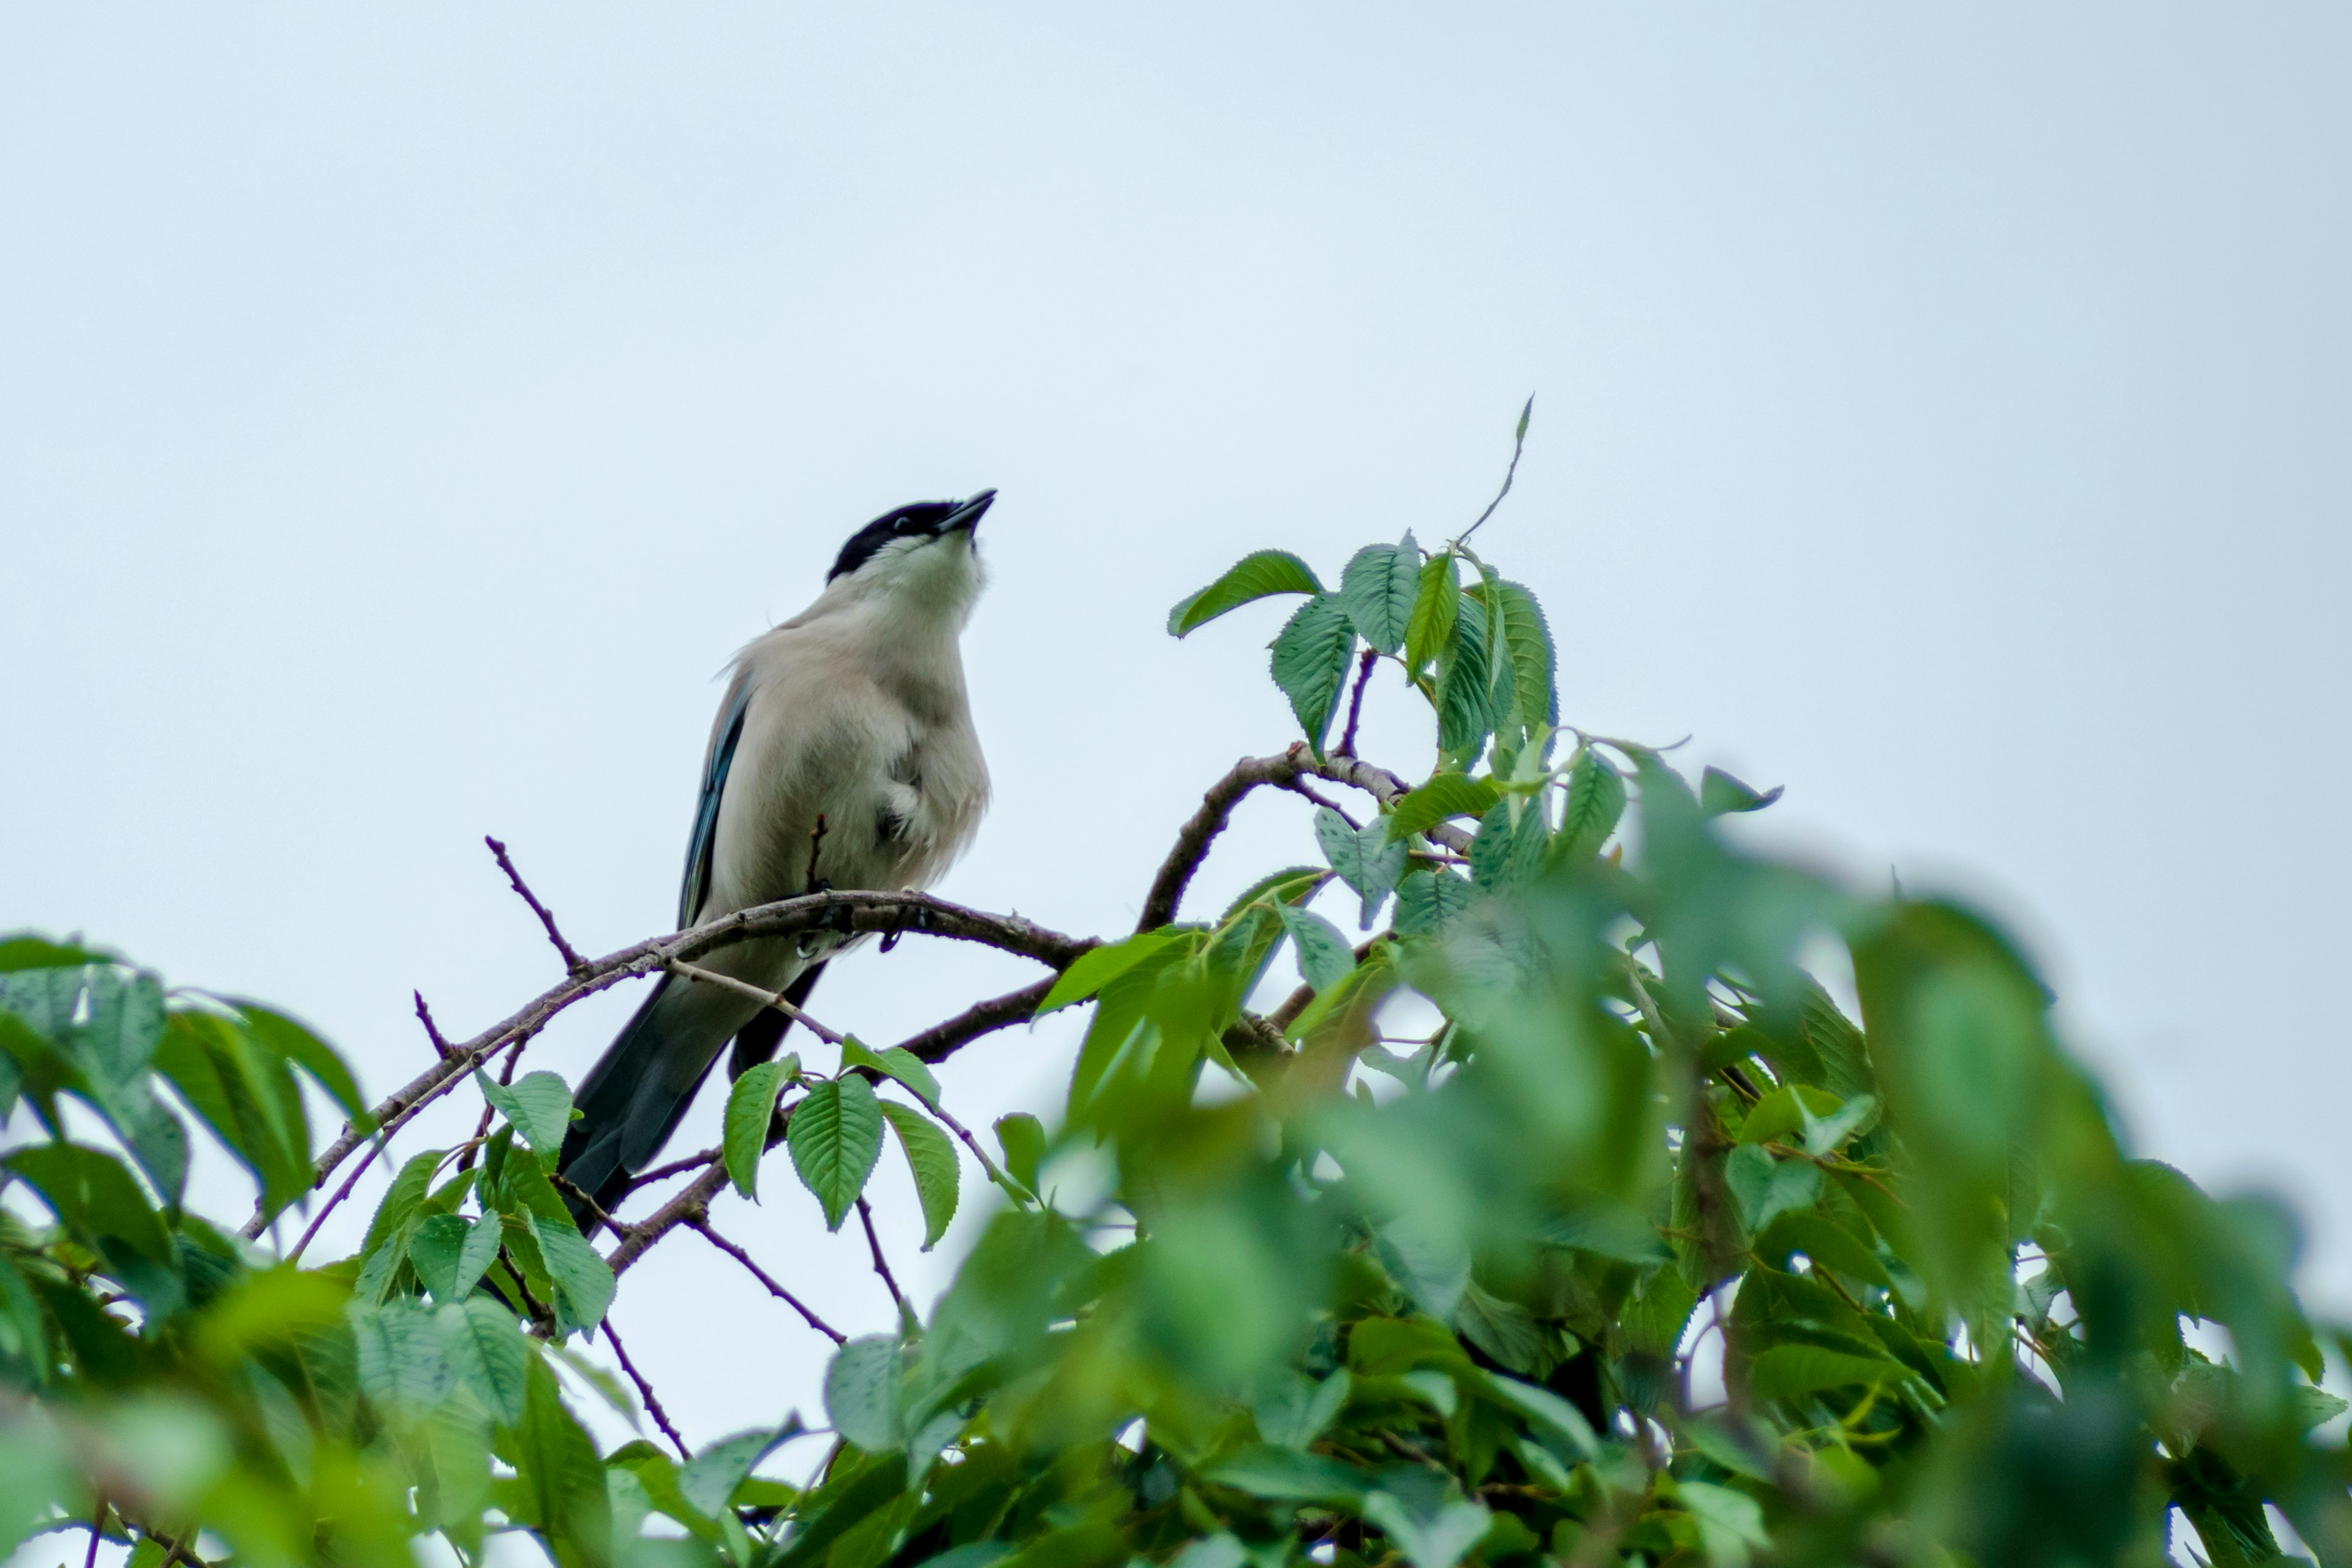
pixel 843 756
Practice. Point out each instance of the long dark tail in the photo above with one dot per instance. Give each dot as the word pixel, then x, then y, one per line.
pixel 628 1108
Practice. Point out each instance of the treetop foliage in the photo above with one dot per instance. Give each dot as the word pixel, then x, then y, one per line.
pixel 1560 1218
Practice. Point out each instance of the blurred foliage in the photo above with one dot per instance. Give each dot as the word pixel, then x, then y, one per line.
pixel 1636 1248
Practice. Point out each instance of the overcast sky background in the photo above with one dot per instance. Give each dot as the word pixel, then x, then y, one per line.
pixel 405 412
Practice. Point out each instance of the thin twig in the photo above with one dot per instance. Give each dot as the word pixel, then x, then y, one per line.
pixel 1301 787
pixel 1518 445
pixel 311 1230
pixel 595 1210
pixel 646 1391
pixel 778 1292
pixel 441 1047
pixel 573 964
pixel 1356 702
pixel 97 1531
pixel 674 1168
pixel 882 1264
pixel 775 999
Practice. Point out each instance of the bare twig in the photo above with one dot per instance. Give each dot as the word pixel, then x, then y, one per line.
pixel 97 1531
pixel 674 1168
pixel 595 1210
pixel 840 911
pixel 441 1047
pixel 778 1292
pixel 311 1230
pixel 573 964
pixel 1518 445
pixel 695 971
pixel 1356 703
pixel 1193 840
pixel 882 1264
pixel 646 1391
pixel 1301 787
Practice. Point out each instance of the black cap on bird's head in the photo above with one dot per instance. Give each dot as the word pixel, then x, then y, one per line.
pixel 919 521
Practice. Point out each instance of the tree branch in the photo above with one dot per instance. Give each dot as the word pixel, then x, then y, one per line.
pixel 573 963
pixel 848 912
pixel 1192 841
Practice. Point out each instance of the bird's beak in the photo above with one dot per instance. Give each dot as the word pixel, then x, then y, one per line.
pixel 966 516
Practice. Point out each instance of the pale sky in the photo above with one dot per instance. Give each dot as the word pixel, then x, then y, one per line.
pixel 404 412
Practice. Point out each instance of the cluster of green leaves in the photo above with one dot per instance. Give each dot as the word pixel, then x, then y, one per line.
pixel 833 1130
pixel 1562 1220
pixel 199 1395
pixel 1648 1252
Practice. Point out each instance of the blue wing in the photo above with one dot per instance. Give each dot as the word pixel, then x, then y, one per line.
pixel 700 846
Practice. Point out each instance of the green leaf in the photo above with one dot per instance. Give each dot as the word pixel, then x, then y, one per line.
pixel 246 1096
pixel 835 1138
pixel 560 1482
pixel 1310 663
pixel 1022 1137
pixel 1823 1241
pixel 1508 855
pixel 1369 861
pixel 1559 1425
pixel 1289 886
pixel 1467 710
pixel 711 1479
pixel 1445 794
pixel 861 1391
pixel 1719 793
pixel 401 1353
pixel 1254 576
pixel 1099 966
pixel 1436 606
pixel 1429 898
pixel 26 950
pixel 1440 1540
pixel 282 1036
pixel 538 1106
pixel 450 1254
pixel 1529 638
pixel 1325 957
pixel 1767 1188
pixel 583 1279
pixel 751 1109
pixel 400 1199
pixel 96 1197
pixel 1596 801
pixel 931 1158
pixel 1789 1371
pixel 1378 590
pixel 1729 1523
pixel 485 1346
pixel 896 1062
pixel 1286 1475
